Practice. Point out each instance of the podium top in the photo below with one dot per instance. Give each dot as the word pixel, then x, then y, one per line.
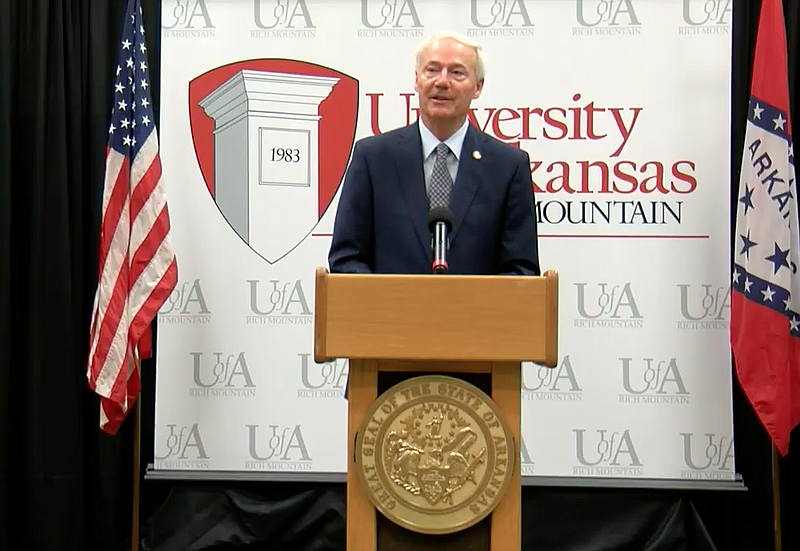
pixel 436 317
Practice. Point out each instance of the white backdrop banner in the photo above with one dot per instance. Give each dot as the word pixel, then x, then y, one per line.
pixel 623 106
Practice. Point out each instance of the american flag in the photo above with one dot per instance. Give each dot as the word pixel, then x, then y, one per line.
pixel 765 303
pixel 137 269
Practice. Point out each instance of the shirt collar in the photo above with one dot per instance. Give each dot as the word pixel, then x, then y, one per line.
pixel 454 142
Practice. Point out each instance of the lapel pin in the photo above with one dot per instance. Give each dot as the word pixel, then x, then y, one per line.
pixel 476 155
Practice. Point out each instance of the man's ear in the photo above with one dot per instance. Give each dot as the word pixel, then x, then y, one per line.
pixel 478 90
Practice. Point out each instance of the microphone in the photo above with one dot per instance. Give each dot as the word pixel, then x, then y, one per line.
pixel 440 222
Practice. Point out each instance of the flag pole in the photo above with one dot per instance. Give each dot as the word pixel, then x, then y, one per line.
pixel 135 507
pixel 776 498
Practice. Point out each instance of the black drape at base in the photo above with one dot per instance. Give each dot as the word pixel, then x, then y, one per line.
pixel 249 516
pixel 307 517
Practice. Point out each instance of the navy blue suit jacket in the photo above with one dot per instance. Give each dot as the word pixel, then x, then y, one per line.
pixel 381 221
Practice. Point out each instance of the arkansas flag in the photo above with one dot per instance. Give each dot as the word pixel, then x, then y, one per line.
pixel 765 305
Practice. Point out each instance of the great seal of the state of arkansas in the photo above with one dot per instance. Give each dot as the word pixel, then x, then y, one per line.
pixel 434 454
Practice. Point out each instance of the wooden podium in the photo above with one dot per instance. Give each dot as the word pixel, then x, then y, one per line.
pixel 429 324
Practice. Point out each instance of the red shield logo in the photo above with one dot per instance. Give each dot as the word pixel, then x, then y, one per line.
pixel 273 138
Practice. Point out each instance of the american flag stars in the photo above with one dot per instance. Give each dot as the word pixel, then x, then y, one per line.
pixel 132 116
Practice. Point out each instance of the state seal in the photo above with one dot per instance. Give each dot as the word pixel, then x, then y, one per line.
pixel 434 454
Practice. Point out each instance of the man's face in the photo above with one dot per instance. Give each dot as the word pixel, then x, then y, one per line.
pixel 445 80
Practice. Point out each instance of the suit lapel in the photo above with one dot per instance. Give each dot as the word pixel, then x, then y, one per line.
pixel 468 178
pixel 412 182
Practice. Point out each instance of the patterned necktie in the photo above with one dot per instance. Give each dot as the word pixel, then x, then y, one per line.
pixel 441 181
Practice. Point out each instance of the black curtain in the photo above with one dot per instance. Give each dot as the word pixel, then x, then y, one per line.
pixel 64 484
pixel 7 39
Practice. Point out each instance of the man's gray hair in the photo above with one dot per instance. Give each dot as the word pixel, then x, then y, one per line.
pixel 480 55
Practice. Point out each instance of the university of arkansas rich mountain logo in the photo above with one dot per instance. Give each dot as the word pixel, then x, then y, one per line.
pixel 273 138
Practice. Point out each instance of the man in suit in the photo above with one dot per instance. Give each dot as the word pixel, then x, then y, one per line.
pixel 395 178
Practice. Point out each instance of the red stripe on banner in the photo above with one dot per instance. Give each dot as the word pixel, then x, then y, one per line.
pixel 150 244
pixel 145 344
pixel 759 338
pixel 119 388
pixel 620 236
pixel 134 386
pixel 113 414
pixel 145 187
pixel 116 413
pixel 92 329
pixel 111 320
pixel 141 320
pixel 109 239
pixel 112 213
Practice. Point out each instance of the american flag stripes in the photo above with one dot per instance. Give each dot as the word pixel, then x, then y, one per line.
pixel 137 269
pixel 765 298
